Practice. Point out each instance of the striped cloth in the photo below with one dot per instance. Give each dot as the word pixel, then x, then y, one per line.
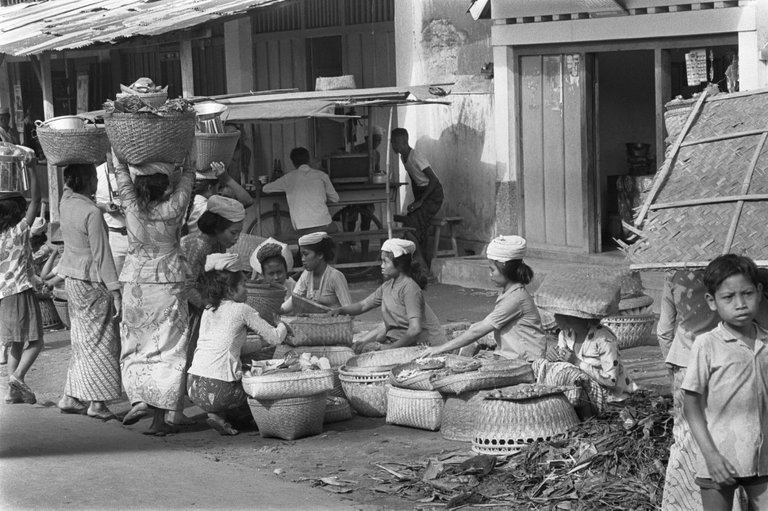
pixel 94 369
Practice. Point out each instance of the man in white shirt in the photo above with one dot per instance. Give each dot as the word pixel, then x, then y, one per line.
pixel 307 190
pixel 108 201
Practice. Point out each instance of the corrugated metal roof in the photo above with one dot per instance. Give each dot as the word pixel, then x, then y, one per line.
pixel 30 28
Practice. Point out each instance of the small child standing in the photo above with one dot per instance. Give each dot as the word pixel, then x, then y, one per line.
pixel 21 323
pixel 408 319
pixel 726 394
pixel 213 380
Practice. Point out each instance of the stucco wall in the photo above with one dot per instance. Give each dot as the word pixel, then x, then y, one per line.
pixel 438 42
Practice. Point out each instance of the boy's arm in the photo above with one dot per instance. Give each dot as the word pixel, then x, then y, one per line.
pixel 720 469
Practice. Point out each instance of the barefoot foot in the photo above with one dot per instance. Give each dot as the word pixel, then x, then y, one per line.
pixel 139 411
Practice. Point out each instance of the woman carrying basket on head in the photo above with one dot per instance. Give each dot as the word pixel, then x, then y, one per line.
pixel 209 183
pixel 155 326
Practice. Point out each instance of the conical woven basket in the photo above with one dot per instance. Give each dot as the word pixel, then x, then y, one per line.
pixel 503 426
pixel 265 298
pixel 289 418
pixel 213 147
pixel 415 408
pixel 630 331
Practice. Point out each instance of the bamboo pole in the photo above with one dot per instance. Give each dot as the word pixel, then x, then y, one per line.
pixel 388 186
pixel 744 189
pixel 669 162
pixel 706 201
pixel 682 265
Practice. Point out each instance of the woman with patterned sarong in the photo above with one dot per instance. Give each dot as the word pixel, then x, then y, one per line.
pixel 155 324
pixel 93 293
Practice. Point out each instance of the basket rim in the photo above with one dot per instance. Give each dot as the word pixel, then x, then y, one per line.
pixel 629 318
pixel 47 130
pixel 146 115
pixel 277 377
pixel 413 394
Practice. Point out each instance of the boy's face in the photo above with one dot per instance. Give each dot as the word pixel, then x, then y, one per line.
pixel 736 300
pixel 399 144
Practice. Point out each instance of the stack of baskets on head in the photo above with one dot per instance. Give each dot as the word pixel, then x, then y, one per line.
pixel 289 405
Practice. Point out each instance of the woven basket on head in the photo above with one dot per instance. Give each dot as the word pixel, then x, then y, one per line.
pixel 384 360
pixel 503 426
pixel 213 147
pixel 459 415
pixel 630 331
pixel 155 99
pixel 63 147
pixel 148 138
pixel 366 392
pixel 336 355
pixel 583 294
pixel 319 330
pixel 421 409
pixel 282 385
pixel 289 418
pixel 48 312
pixel 336 410
pixel 62 309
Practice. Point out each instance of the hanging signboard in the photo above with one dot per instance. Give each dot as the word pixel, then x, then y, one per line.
pixel 696 67
pixel 82 93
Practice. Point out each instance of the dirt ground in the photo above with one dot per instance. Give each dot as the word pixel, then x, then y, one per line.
pixel 349 450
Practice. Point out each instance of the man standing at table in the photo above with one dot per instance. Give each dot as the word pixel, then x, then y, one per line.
pixel 427 190
pixel 307 191
pixel 108 201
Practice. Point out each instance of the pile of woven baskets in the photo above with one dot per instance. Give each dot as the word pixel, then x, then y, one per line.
pixel 324 336
pixel 287 402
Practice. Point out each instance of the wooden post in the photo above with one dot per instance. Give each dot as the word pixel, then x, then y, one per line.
pixel 663 91
pixel 53 171
pixel 386 166
pixel 187 69
pixel 238 44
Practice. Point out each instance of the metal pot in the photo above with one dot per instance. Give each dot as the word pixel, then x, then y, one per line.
pixel 14 176
pixel 64 122
pixel 379 178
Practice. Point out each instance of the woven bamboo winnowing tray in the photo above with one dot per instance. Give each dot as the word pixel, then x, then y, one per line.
pixel 414 408
pixel 366 392
pixel 146 138
pixel 63 147
pixel 289 418
pixel 503 426
pixel 319 330
pixel 288 384
pixel 582 294
pixel 482 380
pixel 383 360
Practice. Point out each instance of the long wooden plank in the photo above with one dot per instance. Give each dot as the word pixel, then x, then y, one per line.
pixel 710 200
pixel 531 131
pixel 744 189
pixel 669 162
pixel 575 232
pixel 554 150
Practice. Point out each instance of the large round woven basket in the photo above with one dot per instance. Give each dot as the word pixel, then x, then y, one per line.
pixel 336 355
pixel 337 409
pixel 213 147
pixel 48 312
pixel 459 415
pixel 289 418
pixel 147 138
pixel 421 409
pixel 154 99
pixel 630 331
pixel 62 309
pixel 319 330
pixel 265 298
pixel 503 426
pixel 366 392
pixel 62 147
pixel 288 384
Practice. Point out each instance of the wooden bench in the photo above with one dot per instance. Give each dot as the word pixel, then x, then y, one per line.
pixel 438 223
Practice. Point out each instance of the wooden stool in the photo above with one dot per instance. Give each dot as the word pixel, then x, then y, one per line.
pixel 438 223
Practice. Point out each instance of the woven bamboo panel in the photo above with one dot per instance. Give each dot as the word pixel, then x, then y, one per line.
pixel 686 235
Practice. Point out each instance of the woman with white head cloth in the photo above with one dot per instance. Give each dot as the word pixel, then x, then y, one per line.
pixel 408 319
pixel 320 282
pixel 515 320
